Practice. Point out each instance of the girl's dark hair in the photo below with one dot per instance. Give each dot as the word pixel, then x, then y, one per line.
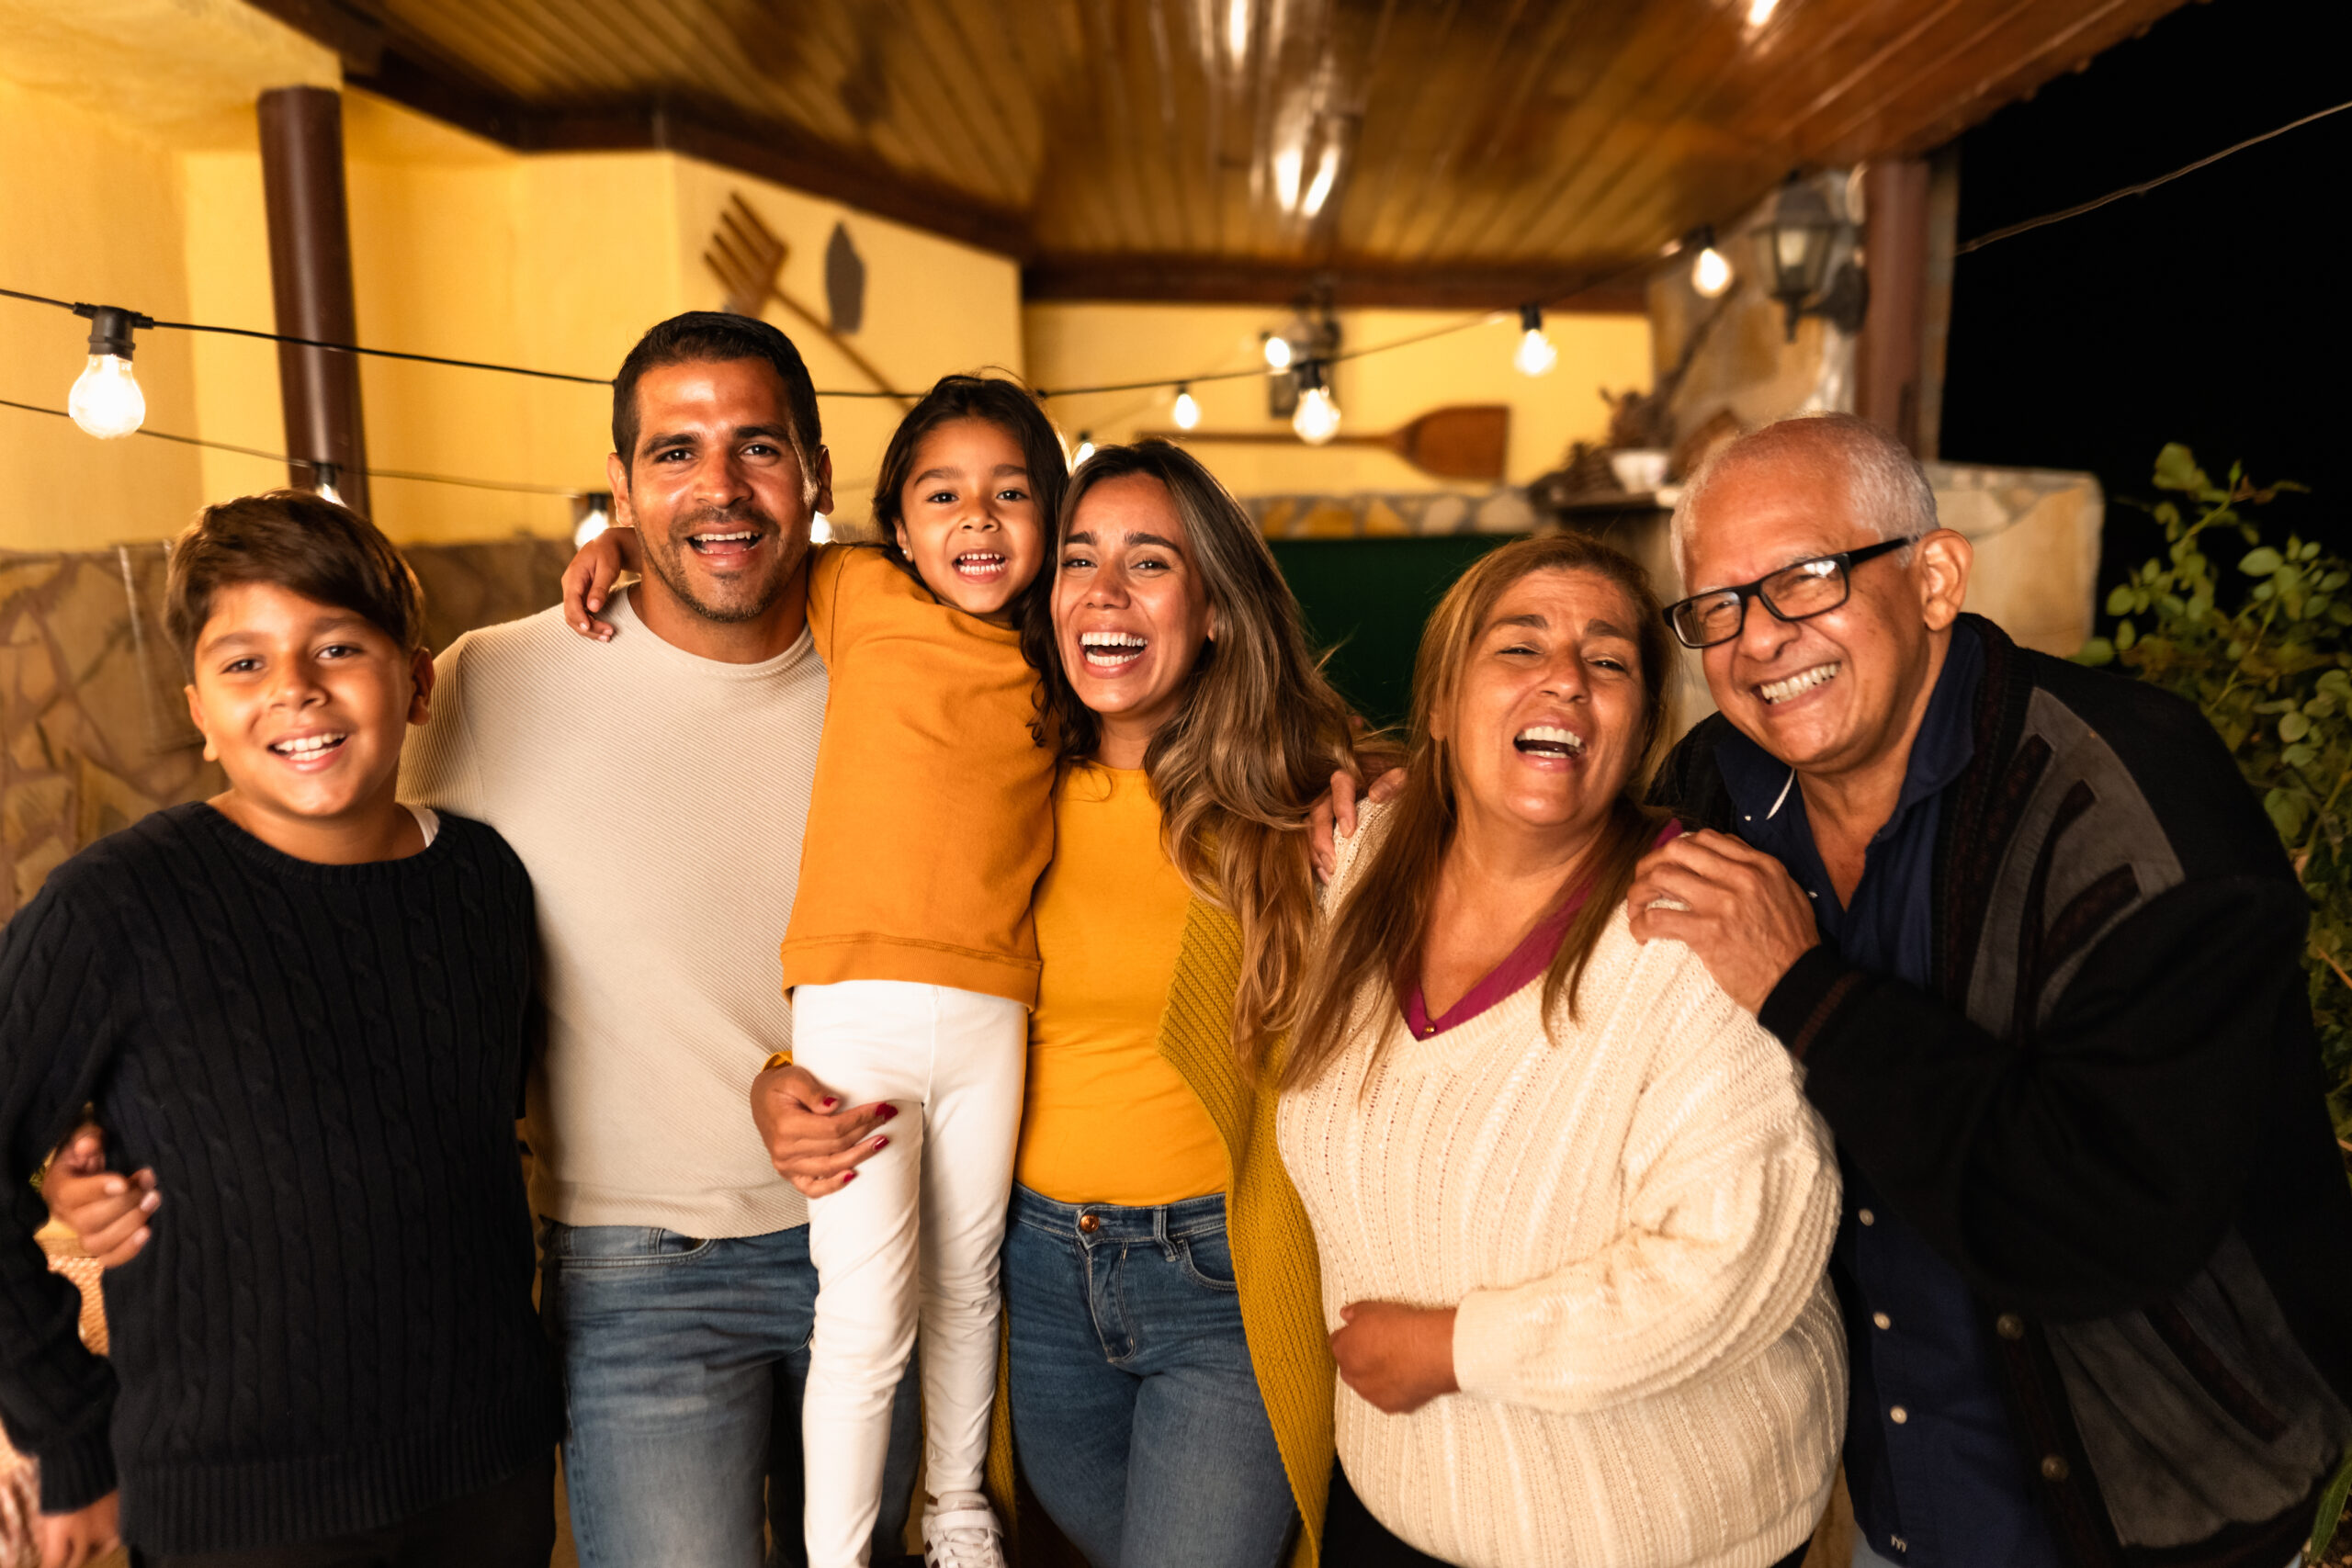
pixel 298 540
pixel 1013 408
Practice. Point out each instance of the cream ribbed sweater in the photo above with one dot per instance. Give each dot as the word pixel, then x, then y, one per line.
pixel 1632 1218
pixel 657 799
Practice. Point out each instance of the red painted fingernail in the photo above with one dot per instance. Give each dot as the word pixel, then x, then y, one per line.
pixel 848 1176
pixel 889 1111
pixel 830 1101
pixel 880 1144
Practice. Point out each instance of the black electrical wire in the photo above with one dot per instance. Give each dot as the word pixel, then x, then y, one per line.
pixel 2143 188
pixel 316 464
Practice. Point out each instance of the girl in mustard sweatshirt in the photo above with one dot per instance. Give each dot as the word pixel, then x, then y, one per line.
pixel 912 958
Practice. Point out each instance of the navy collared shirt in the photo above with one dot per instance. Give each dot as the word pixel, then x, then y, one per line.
pixel 1937 1476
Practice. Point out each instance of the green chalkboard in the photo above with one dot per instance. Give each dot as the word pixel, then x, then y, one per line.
pixel 1367 600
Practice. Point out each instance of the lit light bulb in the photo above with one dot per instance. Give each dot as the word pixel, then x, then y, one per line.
pixel 1535 355
pixel 1711 274
pixel 1760 11
pixel 1085 449
pixel 821 528
pixel 1277 352
pixel 106 399
pixel 598 518
pixel 324 489
pixel 1317 418
pixel 1187 412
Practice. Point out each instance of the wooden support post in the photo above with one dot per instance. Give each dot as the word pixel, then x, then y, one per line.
pixel 1894 196
pixel 310 270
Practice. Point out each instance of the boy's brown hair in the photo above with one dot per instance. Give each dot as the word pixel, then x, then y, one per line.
pixel 298 541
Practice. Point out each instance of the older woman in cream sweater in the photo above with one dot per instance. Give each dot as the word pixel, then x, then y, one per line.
pixel 1572 1209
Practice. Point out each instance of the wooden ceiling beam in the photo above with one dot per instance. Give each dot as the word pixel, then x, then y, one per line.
pixel 1210 279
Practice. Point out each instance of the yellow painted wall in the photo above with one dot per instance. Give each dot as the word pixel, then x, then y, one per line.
pixel 459 248
pixel 88 210
pixel 1081 345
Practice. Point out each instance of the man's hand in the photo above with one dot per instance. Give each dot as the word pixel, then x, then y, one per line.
pixel 594 569
pixel 105 1209
pixel 1336 812
pixel 84 1536
pixel 1744 914
pixel 813 1140
pixel 1398 1357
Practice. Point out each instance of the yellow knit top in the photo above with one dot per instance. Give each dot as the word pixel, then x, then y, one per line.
pixel 1273 1249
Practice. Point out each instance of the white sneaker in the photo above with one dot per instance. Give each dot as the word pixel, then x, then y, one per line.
pixel 960 1530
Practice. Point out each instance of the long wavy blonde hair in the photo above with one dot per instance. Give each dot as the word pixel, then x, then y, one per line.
pixel 1255 742
pixel 1378 933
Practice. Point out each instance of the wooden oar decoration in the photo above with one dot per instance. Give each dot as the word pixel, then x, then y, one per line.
pixel 1469 441
pixel 748 261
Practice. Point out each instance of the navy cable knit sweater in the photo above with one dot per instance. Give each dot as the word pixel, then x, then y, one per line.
pixel 331 1327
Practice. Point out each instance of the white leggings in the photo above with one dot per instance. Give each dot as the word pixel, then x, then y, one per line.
pixel 929 1206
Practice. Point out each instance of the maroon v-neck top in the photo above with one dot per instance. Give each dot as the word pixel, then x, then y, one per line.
pixel 1526 962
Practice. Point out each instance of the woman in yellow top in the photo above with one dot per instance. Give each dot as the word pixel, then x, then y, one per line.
pixel 1170 1384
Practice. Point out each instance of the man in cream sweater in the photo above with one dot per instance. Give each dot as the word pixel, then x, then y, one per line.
pixel 656 787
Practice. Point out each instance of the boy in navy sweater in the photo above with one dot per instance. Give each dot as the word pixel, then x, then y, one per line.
pixel 298 1009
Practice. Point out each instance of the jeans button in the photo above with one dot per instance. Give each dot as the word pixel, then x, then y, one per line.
pixel 1089 1223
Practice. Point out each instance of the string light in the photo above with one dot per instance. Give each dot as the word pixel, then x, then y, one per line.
pixel 1317 418
pixel 1760 11
pixel 106 399
pixel 1085 450
pixel 327 473
pixel 820 529
pixel 1187 412
pixel 597 516
pixel 1277 352
pixel 1711 274
pixel 1535 355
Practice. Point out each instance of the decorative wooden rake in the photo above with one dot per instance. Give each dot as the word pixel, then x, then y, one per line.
pixel 748 261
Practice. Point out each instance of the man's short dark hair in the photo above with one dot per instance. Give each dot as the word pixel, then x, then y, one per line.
pixel 714 337
pixel 298 541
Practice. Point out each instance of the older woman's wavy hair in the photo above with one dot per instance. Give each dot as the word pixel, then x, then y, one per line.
pixel 1379 932
pixel 1254 745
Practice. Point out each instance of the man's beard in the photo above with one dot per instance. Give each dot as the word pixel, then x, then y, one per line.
pixel 665 559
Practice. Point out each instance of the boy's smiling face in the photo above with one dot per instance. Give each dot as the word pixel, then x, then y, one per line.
pixel 305 706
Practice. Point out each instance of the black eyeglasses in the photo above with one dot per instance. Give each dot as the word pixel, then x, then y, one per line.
pixel 1795 593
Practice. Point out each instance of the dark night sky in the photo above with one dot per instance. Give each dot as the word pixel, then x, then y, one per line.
pixel 2215 310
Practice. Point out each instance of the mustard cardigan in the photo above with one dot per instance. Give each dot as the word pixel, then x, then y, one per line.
pixel 1273 1249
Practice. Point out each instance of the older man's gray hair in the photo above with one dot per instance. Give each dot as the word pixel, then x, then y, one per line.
pixel 1887 488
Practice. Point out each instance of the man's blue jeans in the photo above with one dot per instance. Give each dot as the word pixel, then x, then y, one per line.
pixel 682 1358
pixel 1136 1411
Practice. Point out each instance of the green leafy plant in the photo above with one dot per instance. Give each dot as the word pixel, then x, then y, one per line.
pixel 2259 637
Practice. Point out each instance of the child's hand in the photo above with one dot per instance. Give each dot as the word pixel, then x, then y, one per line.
pixel 1336 812
pixel 84 1536
pixel 814 1141
pixel 108 1210
pixel 590 576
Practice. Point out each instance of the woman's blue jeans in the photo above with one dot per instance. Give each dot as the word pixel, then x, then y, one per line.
pixel 1135 1414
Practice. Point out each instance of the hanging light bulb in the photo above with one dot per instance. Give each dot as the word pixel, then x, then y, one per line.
pixel 1277 352
pixel 594 512
pixel 821 528
pixel 1085 449
pixel 1317 418
pixel 326 473
pixel 106 399
pixel 1187 412
pixel 1711 274
pixel 1535 354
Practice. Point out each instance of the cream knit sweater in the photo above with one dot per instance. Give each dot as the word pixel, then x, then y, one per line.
pixel 1632 1218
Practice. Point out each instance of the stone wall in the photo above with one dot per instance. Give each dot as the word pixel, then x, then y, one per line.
pixel 94 726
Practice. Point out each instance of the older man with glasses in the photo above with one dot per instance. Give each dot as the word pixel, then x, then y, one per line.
pixel 2038 952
